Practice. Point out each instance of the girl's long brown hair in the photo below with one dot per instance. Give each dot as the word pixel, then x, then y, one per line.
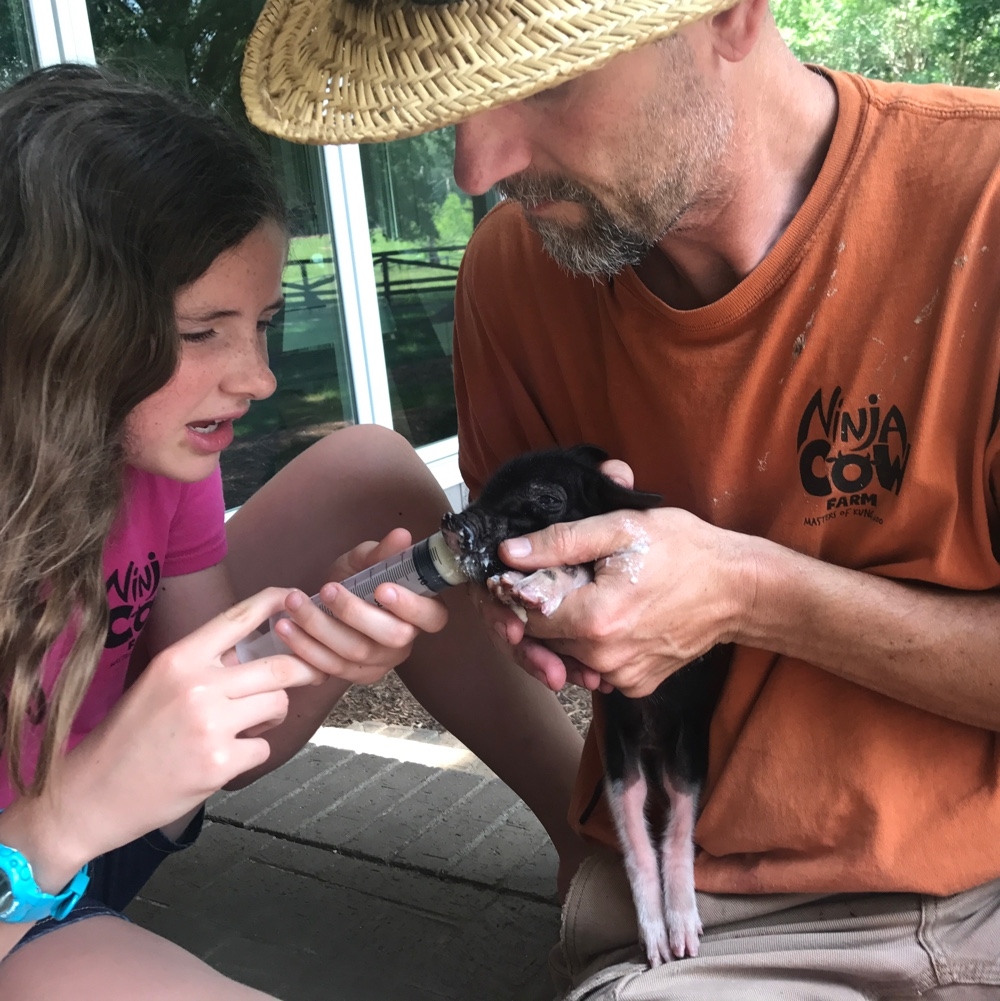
pixel 113 196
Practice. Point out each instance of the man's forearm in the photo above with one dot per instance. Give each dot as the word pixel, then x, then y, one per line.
pixel 933 648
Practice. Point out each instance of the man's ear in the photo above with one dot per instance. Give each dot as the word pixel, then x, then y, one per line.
pixel 735 31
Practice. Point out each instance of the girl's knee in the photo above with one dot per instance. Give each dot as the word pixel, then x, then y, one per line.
pixel 363 475
pixel 365 444
pixel 357 450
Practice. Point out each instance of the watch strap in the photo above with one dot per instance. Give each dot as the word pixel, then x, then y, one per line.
pixel 30 902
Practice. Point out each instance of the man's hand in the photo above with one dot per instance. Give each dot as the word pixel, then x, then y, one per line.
pixel 608 634
pixel 667 588
pixel 545 665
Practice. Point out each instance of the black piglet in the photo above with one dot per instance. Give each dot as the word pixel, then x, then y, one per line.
pixel 655 748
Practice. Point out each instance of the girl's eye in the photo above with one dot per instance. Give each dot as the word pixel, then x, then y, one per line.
pixel 265 325
pixel 198 337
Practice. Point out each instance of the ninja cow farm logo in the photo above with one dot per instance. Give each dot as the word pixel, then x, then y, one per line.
pixel 852 456
pixel 130 596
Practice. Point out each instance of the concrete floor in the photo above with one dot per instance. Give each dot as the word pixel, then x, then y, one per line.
pixel 382 868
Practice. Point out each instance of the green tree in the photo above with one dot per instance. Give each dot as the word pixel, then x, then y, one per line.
pixel 197 45
pixel 194 43
pixel 921 41
pixel 974 40
pixel 453 220
pixel 407 182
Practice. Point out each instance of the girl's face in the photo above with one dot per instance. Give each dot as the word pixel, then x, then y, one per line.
pixel 222 320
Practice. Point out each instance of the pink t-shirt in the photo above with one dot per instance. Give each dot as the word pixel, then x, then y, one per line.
pixel 168 529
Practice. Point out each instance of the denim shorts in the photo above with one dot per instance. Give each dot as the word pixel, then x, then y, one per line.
pixel 116 878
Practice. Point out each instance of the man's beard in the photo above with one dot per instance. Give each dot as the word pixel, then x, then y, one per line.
pixel 657 183
pixel 602 245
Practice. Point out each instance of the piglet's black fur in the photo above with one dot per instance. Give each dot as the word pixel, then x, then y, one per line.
pixel 656 748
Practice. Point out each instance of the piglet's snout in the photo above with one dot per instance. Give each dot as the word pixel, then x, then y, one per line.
pixel 458 534
pixel 474 535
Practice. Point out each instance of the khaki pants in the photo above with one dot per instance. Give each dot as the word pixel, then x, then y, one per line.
pixel 829 948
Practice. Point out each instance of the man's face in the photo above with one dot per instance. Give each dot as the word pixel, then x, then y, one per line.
pixel 606 165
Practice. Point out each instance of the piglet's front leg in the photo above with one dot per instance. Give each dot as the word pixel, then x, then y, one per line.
pixel 542 590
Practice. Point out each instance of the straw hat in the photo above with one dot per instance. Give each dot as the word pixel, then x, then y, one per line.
pixel 348 71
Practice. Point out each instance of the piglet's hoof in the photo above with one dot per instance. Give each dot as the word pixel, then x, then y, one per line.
pixel 684 931
pixel 655 942
pixel 502 587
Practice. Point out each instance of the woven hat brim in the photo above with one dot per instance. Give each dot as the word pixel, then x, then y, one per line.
pixel 335 71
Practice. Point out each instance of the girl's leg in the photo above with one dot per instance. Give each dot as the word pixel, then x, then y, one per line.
pixel 357 484
pixel 107 959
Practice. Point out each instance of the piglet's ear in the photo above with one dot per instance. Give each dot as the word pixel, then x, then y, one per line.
pixel 614 496
pixel 589 455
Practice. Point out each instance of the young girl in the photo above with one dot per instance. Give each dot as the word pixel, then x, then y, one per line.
pixel 141 251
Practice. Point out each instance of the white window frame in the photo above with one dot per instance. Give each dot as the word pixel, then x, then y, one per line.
pixel 356 280
pixel 62 31
pixel 62 34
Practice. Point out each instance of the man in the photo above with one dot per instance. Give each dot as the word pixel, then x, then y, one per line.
pixel 772 292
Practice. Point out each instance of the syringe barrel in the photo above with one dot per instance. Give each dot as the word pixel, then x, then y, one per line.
pixel 427 568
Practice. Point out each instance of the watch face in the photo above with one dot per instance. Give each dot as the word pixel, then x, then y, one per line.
pixel 6 893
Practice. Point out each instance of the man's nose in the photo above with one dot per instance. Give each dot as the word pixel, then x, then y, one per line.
pixel 489 147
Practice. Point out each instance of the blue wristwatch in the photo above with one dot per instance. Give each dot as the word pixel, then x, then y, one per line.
pixel 21 899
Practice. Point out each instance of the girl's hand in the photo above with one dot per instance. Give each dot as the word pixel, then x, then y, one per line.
pixel 360 642
pixel 177 736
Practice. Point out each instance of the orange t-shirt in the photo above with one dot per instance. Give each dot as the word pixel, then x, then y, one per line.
pixel 841 401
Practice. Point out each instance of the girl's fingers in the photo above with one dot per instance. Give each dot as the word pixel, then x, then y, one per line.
pixel 358 559
pixel 367 554
pixel 251 712
pixel 223 632
pixel 381 642
pixel 260 729
pixel 246 754
pixel 389 545
pixel 395 625
pixel 339 649
pixel 270 674
pixel 427 614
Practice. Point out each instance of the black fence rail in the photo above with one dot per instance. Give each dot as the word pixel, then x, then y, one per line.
pixel 438 275
pixel 309 292
pixel 427 270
